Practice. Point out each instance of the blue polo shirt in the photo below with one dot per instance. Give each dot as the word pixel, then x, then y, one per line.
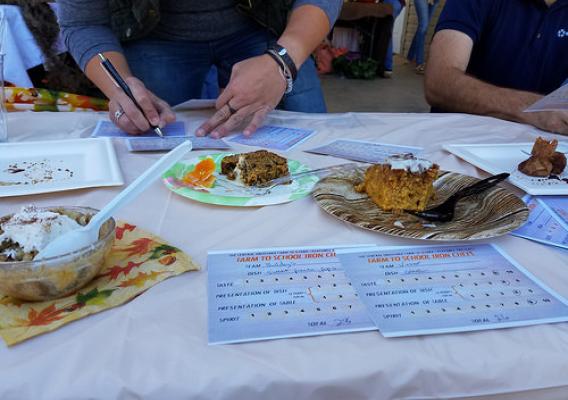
pixel 519 44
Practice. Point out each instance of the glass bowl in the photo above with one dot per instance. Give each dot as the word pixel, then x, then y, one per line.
pixel 59 276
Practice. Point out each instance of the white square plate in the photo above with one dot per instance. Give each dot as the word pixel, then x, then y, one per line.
pixel 497 158
pixel 53 166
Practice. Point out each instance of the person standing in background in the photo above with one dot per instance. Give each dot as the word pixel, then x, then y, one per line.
pixel 397 6
pixel 424 11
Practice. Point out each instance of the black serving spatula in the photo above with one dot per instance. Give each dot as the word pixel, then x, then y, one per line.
pixel 445 211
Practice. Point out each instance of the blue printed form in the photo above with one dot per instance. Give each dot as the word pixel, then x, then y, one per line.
pixel 358 150
pixel 281 292
pixel 547 221
pixel 429 290
pixel 108 129
pixel 275 137
pixel 558 205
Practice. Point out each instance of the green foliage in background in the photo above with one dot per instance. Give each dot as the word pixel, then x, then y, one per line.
pixel 356 69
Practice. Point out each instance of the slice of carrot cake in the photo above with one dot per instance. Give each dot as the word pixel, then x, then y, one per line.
pixel 256 168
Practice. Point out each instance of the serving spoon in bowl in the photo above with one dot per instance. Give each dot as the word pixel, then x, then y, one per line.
pixel 79 238
pixel 445 211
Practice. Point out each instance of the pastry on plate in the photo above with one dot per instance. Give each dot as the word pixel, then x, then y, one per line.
pixel 254 169
pixel 402 182
pixel 544 160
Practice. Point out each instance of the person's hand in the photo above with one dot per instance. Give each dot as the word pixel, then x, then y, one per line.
pixel 552 121
pixel 255 89
pixel 128 117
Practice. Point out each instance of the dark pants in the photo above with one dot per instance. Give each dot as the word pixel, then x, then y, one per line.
pixel 175 70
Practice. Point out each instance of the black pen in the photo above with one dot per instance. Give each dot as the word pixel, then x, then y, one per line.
pixel 118 81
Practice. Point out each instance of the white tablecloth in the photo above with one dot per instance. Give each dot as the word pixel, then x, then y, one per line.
pixel 155 347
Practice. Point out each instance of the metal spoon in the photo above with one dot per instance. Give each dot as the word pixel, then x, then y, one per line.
pixel 445 211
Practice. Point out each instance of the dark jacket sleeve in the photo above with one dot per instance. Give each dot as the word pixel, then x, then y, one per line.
pixel 85 27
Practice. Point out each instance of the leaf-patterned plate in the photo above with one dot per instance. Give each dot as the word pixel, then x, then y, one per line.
pixel 493 213
pixel 232 193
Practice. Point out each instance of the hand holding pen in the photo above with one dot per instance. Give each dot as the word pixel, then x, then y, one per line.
pixel 134 108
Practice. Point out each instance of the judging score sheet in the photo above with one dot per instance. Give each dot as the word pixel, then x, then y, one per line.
pixel 360 150
pixel 280 292
pixel 427 290
pixel 277 138
pixel 548 221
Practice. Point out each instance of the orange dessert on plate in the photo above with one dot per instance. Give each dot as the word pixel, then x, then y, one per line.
pixel 202 175
pixel 402 182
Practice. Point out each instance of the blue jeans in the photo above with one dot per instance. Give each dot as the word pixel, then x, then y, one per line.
pixel 175 70
pixel 424 12
pixel 396 9
pixel 210 89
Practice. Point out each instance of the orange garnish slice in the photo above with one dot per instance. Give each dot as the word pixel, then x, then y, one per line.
pixel 202 175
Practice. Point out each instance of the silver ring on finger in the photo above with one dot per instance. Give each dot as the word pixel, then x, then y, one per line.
pixel 118 113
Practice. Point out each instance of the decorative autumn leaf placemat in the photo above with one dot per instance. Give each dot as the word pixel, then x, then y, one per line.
pixel 35 99
pixel 138 260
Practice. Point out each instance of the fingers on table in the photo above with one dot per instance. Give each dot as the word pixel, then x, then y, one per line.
pixel 230 118
pixel 220 116
pixel 256 121
pixel 235 121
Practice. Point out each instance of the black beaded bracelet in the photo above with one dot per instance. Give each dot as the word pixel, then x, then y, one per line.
pixel 284 71
pixel 283 54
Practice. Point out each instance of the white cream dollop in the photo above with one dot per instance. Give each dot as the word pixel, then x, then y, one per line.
pixel 409 163
pixel 34 229
pixel 238 169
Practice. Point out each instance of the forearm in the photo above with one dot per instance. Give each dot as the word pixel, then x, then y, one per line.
pixel 307 27
pixel 97 74
pixel 453 90
pixel 449 87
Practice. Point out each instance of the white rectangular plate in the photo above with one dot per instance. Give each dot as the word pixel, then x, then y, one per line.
pixel 58 165
pixel 497 158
